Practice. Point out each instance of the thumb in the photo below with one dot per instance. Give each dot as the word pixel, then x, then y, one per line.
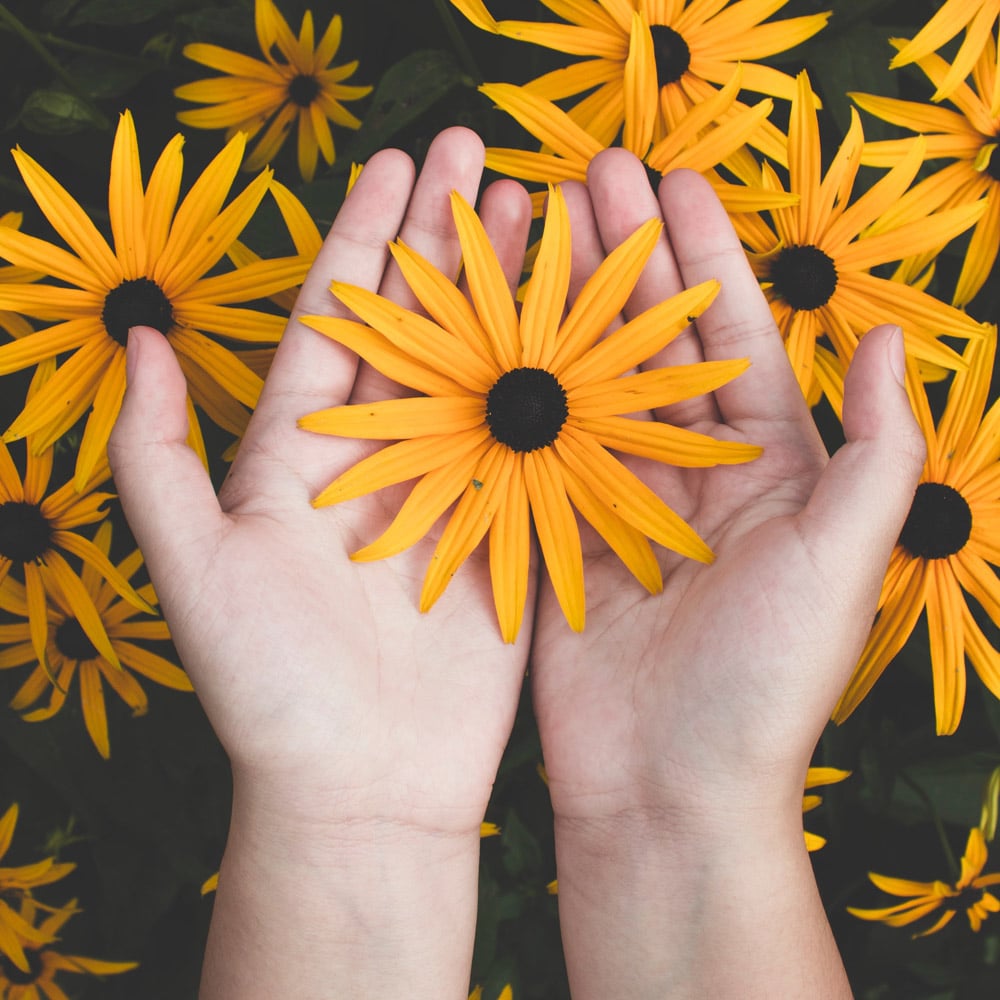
pixel 861 501
pixel 165 491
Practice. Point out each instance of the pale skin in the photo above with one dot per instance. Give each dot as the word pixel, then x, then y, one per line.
pixel 365 736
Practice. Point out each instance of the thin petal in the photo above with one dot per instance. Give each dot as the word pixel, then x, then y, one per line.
pixel 398 419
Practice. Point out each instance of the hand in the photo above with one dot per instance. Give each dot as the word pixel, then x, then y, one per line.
pixel 677 729
pixel 364 736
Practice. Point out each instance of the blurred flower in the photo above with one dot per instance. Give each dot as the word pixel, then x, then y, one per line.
pixel 977 17
pixel 154 276
pixel 70 652
pixel 519 413
pixel 647 63
pixel 967 136
pixel 969 893
pixel 949 544
pixel 300 87
pixel 15 882
pixel 814 261
pixel 38 980
pixel 815 777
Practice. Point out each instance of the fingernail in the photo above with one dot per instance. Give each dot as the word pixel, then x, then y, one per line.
pixel 897 355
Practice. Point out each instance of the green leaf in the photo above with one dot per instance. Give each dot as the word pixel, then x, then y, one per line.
pixel 58 112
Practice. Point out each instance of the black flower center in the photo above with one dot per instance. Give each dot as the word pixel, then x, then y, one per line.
pixel 939 522
pixel 25 532
pixel 671 53
pixel 993 165
pixel 73 642
pixel 526 409
pixel 18 977
pixel 136 302
pixel 303 90
pixel 804 277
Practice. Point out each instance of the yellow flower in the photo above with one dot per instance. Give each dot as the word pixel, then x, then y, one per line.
pixel 11 322
pixel 39 979
pixel 519 413
pixel 646 63
pixel 15 882
pixel 505 994
pixel 814 260
pixel 969 893
pixel 155 275
pixel 819 776
pixel 299 87
pixel 70 652
pixel 967 136
pixel 977 17
pixel 948 545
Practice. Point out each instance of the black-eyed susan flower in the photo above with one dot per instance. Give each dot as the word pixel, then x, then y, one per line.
pixel 967 136
pixel 10 322
pixel 38 981
pixel 970 893
pixel 646 63
pixel 298 87
pixel 521 413
pixel 976 17
pixel 70 655
pixel 948 547
pixel 815 777
pixel 697 142
pixel 815 259
pixel 155 275
pixel 15 881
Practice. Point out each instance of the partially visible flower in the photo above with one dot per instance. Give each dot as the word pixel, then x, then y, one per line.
pixel 155 275
pixel 300 87
pixel 71 655
pixel 815 777
pixel 521 414
pixel 977 17
pixel 970 893
pixel 968 137
pixel 38 980
pixel 16 882
pixel 815 258
pixel 11 322
pixel 646 64
pixel 948 547
pixel 505 994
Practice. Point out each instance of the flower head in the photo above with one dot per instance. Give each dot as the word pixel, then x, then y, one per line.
pixel 299 88
pixel 154 275
pixel 520 412
pixel 947 548
pixel 970 893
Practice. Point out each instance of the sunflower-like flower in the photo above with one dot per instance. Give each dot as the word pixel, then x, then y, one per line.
pixel 155 276
pixel 814 261
pixel 520 412
pixel 948 545
pixel 970 893
pixel 648 62
pixel 15 882
pixel 38 980
pixel 697 142
pixel 301 87
pixel 70 653
pixel 977 17
pixel 11 322
pixel 967 136
pixel 815 777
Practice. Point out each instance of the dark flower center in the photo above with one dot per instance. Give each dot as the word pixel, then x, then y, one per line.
pixel 993 166
pixel 939 522
pixel 804 277
pixel 303 90
pixel 25 532
pixel 18 977
pixel 671 53
pixel 526 409
pixel 73 642
pixel 136 302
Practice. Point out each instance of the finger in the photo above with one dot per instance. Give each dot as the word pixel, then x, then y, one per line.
pixel 166 494
pixel 505 211
pixel 738 324
pixel 859 505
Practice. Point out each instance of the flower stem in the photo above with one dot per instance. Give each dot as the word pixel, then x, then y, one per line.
pixel 461 46
pixel 949 854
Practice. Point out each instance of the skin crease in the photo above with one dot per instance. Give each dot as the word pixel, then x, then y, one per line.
pixel 365 737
